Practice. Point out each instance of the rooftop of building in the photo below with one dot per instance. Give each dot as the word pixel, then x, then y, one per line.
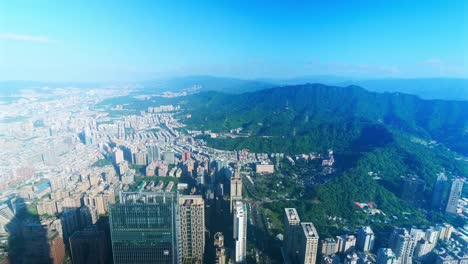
pixel 292 214
pixel 309 230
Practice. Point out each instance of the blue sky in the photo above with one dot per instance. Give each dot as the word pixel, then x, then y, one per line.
pixel 140 40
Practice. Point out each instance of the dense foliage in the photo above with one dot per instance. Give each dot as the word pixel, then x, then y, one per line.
pixel 317 113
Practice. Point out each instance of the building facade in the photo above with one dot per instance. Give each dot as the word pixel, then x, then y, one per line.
pixel 385 256
pixel 240 231
pixel 309 244
pixel 236 187
pixel 292 228
pixel 455 194
pixel 438 192
pixel 365 238
pixel 328 246
pixel 143 228
pixel 192 228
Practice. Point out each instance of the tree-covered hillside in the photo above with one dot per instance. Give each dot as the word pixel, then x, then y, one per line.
pixel 319 116
pixel 388 134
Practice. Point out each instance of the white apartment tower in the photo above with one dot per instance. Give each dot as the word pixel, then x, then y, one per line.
pixel 455 194
pixel 240 231
pixel 309 244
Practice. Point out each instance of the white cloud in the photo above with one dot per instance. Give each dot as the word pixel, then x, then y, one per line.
pixel 29 38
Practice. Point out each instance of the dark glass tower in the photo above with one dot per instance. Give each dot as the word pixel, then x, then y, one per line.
pixel 439 189
pixel 143 228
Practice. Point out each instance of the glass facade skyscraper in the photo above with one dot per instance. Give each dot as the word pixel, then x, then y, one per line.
pixel 143 228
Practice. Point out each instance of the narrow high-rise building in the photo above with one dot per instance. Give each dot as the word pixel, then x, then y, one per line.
pixel 309 244
pixel 220 251
pixel 186 155
pixel 236 186
pixel 365 238
pixel 455 193
pixel 192 228
pixel 386 256
pixel 292 228
pixel 402 245
pixel 152 150
pixel 143 228
pixel 118 155
pixel 240 231
pixel 438 192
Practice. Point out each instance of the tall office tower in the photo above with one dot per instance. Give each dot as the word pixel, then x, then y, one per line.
pixel 236 186
pixel 219 248
pixel 240 231
pixel 292 228
pixel 455 193
pixel 386 256
pixel 308 244
pixel 439 189
pixel 88 247
pixel 152 151
pixel 402 244
pixel 365 238
pixel 192 228
pixel 143 228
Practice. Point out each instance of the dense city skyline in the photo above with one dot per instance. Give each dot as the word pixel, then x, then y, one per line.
pixel 233 132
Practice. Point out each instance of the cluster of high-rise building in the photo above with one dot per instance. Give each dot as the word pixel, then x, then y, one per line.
pixel 404 246
pixel 452 204
pixel 168 227
pixel 301 240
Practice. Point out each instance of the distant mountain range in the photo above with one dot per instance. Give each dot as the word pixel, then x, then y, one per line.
pixel 426 88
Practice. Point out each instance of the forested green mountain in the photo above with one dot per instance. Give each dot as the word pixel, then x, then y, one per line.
pixel 315 116
pixel 391 134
